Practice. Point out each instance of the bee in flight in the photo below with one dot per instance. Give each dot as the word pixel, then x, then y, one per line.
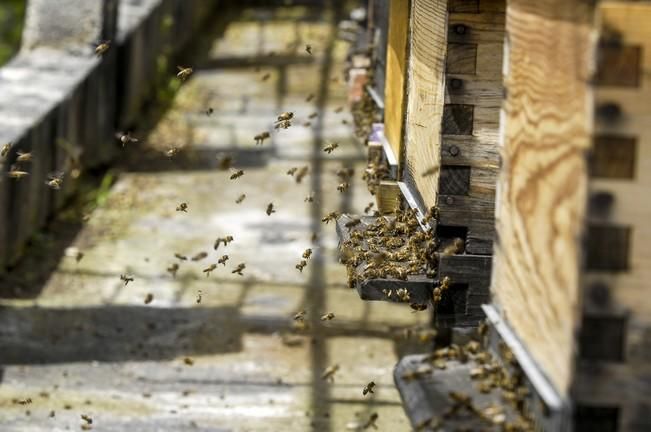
pixel 181 257
pixel 300 315
pixel 223 260
pixel 236 174
pixel 292 171
pixel 301 265
pixel 330 147
pixel 368 388
pixel 198 297
pixel 343 187
pixel 329 373
pixel 330 217
pixel 183 207
pixel 259 138
pixel 199 256
pixel 102 47
pixel 55 180
pixel 308 49
pixel 24 157
pixel 172 151
pixel 149 298
pixel 270 209
pixel 225 162
pixel 209 269
pixel 301 174
pixel 240 199
pixel 125 138
pixel 184 72
pixel 309 97
pixel 173 269
pixel 368 208
pixel 4 151
pixel 126 279
pixel 307 254
pixel 265 77
pixel 327 317
pixel 309 198
pixel 226 240
pixel 239 269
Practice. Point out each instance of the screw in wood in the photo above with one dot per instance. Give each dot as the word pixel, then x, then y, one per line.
pixel 460 29
pixel 456 83
pixel 453 150
pixel 449 200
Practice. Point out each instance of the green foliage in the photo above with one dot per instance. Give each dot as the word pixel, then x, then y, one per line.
pixel 12 16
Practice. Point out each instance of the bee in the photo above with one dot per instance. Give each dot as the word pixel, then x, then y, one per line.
pixel 239 269
pixel 403 294
pixel 183 207
pixel 418 307
pixel 286 116
pixel 198 297
pixel 454 248
pixel 344 122
pixel 184 72
pixel 343 187
pixel 126 279
pixel 292 171
pixel 330 147
pixel 172 151
pixel 339 109
pixel 332 216
pixel 307 124
pixel 345 173
pixel 149 298
pixel 445 283
pixel 223 260
pixel 236 174
pixel 353 222
pixel 301 174
pixel 54 181
pixel 313 115
pixel 87 419
pixel 430 171
pixel 300 315
pixel 301 265
pixel 265 77
pixel 4 151
pixel 199 256
pixel 329 373
pixel 226 240
pixel 225 162
pixel 259 138
pixel 173 269
pixel 309 198
pixel 209 269
pixel 307 253
pixel 368 208
pixel 209 111
pixel 368 388
pixel 309 97
pixel 314 238
pixel 181 257
pixel 188 361
pixel 125 138
pixel 15 172
pixel 24 157
pixel 240 199
pixel 371 421
pixel 270 209
pixel 327 317
pixel 308 49
pixel 102 47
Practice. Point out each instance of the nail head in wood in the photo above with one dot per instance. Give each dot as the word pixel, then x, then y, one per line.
pixel 454 150
pixel 449 200
pixel 460 29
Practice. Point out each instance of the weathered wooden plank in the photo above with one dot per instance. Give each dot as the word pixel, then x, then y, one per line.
pixel 618 65
pixel 477 152
pixel 542 184
pixel 396 73
pixel 425 98
pixel 613 156
pixel 461 58
pixel 458 119
pixel 476 27
pixel 455 180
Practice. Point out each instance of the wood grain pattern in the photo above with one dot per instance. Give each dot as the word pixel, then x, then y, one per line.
pixel 543 181
pixel 425 98
pixel 388 197
pixel 396 73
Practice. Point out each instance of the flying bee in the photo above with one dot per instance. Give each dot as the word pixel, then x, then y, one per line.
pixel 209 269
pixel 184 72
pixel 125 138
pixel 301 174
pixel 368 207
pixel 343 187
pixel 223 260
pixel 126 279
pixel 292 171
pixel 332 216
pixel 327 317
pixel 329 373
pixel 313 115
pixel 24 157
pixel 55 180
pixel 270 209
pixel 102 47
pixel 87 418
pixel 371 421
pixel 199 256
pixel 209 111
pixel 4 151
pixel 300 315
pixel 307 253
pixel 149 298
pixel 309 198
pixel 308 49
pixel 15 172
pixel 344 122
pixel 226 240
pixel 236 174
pixel 265 77
pixel 240 199
pixel 173 269
pixel 307 124
pixel 309 97
pixel 183 207
pixel 172 151
pixel 301 265
pixel 286 116
pixel 181 257
pixel 345 173
pixel 225 162
pixel 198 300
pixel 368 388
pixel 239 269
pixel 188 361
pixel 353 222
pixel 330 147
pixel 430 171
pixel 259 138
pixel 339 109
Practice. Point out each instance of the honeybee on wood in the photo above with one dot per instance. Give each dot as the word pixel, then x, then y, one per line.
pixel 199 297
pixel 225 162
pixel 343 187
pixel 102 47
pixel 223 260
pixel 188 361
pixel 240 199
pixel 330 147
pixel 259 138
pixel 199 256
pixel 125 138
pixel 270 209
pixel 236 174
pixel 327 317
pixel 308 49
pixel 309 198
pixel 16 173
pixel 183 207
pixel 307 253
pixel 209 269
pixel 55 180
pixel 301 174
pixel 4 151
pixel 149 298
pixel 181 257
pixel 126 279
pixel 332 216
pixel 329 373
pixel 368 388
pixel 184 72
pixel 309 97
pixel 173 269
pixel 301 265
pixel 24 157
pixel 239 269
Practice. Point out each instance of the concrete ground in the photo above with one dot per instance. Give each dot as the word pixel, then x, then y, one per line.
pixel 84 343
